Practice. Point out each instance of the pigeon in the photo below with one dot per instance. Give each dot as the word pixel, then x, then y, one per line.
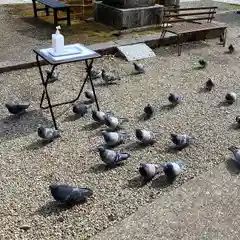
pixel 149 171
pixel 221 39
pixel 80 109
pixel 111 157
pixel 202 63
pixel 89 95
pixel 145 137
pixel 172 170
pixel 174 99
pixel 113 122
pixel 16 109
pixel 230 97
pixel 95 74
pixel 48 134
pixel 236 153
pixel 114 138
pixel 52 77
pixel 98 116
pixel 69 195
pixel 109 77
pixel 238 119
pixel 180 140
pixel 139 68
pixel 148 110
pixel 231 48
pixel 209 84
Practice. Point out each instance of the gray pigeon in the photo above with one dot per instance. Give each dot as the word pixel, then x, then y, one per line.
pixel 172 170
pixel 109 78
pixel 89 95
pixel 149 171
pixel 48 134
pixel 238 119
pixel 209 84
pixel 114 138
pixel 174 99
pixel 16 109
pixel 231 97
pixel 52 78
pixel 98 116
pixel 70 195
pixel 80 109
pixel 145 137
pixel 95 74
pixel 139 68
pixel 231 48
pixel 180 140
pixel 113 122
pixel 148 110
pixel 202 63
pixel 111 157
pixel 236 153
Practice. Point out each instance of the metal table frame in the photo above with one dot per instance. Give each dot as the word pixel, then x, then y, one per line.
pixel 45 95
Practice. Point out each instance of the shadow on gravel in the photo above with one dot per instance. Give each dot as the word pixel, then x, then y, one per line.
pixel 18 126
pixel 136 182
pixel 54 208
pixel 234 126
pixel 99 168
pixel 38 145
pixel 160 182
pixel 232 167
pixel 135 146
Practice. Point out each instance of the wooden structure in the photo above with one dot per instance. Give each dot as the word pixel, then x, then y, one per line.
pixel 191 20
pixel 56 6
pixel 81 9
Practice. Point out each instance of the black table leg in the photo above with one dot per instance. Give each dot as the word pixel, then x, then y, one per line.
pixel 45 83
pixel 55 17
pixel 34 8
pixel 88 68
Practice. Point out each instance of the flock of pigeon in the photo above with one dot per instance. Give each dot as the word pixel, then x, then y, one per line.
pixel 113 136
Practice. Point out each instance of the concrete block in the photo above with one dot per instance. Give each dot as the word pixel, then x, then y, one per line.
pixel 127 18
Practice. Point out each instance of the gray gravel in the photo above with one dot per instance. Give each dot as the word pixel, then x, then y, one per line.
pixel 27 210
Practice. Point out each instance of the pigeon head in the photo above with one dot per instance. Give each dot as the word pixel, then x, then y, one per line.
pixel 173 137
pixel 238 119
pixel 148 109
pixel 233 148
pixel 107 120
pixel 103 72
pixel 169 172
pixel 101 149
pixel 75 109
pixel 138 133
pixel 142 171
pixel 41 131
pixel 53 187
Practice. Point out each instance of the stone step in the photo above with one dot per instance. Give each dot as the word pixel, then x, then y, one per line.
pixel 206 207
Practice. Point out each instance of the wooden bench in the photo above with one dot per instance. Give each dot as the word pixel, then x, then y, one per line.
pixel 56 6
pixel 191 20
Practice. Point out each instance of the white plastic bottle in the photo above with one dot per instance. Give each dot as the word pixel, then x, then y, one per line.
pixel 58 41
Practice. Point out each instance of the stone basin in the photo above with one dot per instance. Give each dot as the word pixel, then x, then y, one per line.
pixel 129 3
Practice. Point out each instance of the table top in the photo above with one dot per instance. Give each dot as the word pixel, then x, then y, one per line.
pixel 78 57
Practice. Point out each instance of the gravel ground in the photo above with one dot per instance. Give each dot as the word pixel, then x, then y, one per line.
pixel 27 168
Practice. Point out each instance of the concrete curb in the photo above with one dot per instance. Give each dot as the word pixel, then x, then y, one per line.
pixel 111 47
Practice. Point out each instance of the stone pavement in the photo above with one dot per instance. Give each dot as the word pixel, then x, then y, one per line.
pixel 206 207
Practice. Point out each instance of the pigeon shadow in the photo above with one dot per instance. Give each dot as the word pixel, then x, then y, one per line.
pixel 15 126
pixel 234 126
pixel 88 102
pixel 160 182
pixel 72 118
pixel 198 68
pixel 232 167
pixel 168 107
pixel 55 208
pixel 224 104
pixel 175 148
pixel 203 90
pixel 135 146
pixel 99 168
pixel 144 117
pixel 227 52
pixel 92 126
pixel 103 84
pixel 136 182
pixel 38 144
